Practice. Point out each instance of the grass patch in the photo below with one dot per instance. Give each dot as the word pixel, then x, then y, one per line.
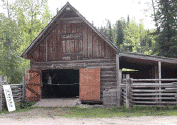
pixel 123 112
pixel 23 107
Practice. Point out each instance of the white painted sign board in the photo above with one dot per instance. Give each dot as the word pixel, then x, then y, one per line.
pixel 9 98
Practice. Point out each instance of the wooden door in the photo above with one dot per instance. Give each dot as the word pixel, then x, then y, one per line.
pixel 33 85
pixel 90 84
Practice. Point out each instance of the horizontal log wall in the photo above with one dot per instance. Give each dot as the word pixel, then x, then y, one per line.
pixel 17 92
pixel 107 66
pixel 149 92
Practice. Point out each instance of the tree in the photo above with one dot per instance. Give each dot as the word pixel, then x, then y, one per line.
pixel 166 16
pixel 120 26
pixel 109 31
pixel 18 27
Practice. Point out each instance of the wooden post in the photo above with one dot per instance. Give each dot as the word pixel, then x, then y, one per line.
pixel 117 70
pixel 160 77
pixel 130 95
pixel 0 93
pixel 127 91
pixel 119 89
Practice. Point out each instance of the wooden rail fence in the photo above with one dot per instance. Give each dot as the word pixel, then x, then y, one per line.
pixel 18 92
pixel 148 92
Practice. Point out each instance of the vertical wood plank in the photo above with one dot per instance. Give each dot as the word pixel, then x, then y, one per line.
pixel 99 48
pixel 85 41
pixel 160 77
pixel 127 91
pixel 89 42
pixel 81 45
pixel 63 46
pixel 77 47
pixel 46 49
pixel 117 70
pixel 94 45
pixel 59 43
pixel 102 48
pixel 119 89
pixel 71 46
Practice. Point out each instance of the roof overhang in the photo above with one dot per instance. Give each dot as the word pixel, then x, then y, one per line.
pixel 146 61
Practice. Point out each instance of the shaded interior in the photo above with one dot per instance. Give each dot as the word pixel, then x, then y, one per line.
pixel 64 83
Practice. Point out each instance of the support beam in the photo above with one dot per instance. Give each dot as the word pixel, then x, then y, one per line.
pixel 159 71
pixel 127 91
pixel 156 71
pixel 117 70
pixel 160 77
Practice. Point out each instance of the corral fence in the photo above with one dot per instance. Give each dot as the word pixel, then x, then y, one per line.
pixel 18 92
pixel 148 92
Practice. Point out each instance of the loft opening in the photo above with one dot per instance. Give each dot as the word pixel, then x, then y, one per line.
pixel 60 83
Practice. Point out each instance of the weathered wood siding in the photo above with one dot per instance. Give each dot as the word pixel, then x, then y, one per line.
pixel 107 66
pixel 70 41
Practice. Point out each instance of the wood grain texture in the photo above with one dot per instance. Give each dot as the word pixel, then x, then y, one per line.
pixel 90 84
pixel 33 85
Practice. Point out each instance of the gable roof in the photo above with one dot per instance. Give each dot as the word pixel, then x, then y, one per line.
pixel 24 55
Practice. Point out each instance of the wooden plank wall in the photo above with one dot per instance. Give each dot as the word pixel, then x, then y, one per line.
pixel 107 66
pixel 71 41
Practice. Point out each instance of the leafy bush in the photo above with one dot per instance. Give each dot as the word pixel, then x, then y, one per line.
pixel 25 104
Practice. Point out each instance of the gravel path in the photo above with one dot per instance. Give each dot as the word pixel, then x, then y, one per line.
pixel 150 120
pixel 41 116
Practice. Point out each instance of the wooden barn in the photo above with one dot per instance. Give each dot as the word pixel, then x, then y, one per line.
pixel 70 57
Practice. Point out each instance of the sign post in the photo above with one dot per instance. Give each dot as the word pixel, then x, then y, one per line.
pixel 9 98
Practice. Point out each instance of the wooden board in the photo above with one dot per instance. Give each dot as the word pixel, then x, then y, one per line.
pixel 90 84
pixel 33 85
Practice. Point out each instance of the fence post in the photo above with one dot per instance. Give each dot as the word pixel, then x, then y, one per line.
pixel 127 91
pixel 0 93
pixel 119 89
pixel 131 82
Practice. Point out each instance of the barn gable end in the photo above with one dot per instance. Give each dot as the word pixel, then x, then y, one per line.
pixel 68 45
pixel 69 36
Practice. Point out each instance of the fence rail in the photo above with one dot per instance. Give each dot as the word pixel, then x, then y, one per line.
pixel 148 92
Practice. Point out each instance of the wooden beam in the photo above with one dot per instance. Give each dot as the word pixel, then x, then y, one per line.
pixel 117 70
pixel 160 77
pixel 159 71
pixel 127 91
pixel 156 71
pixel 70 20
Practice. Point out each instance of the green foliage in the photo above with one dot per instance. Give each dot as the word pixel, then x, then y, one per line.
pixel 24 104
pixel 166 17
pixel 130 36
pixel 24 21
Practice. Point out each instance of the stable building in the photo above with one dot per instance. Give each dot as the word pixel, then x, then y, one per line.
pixel 71 58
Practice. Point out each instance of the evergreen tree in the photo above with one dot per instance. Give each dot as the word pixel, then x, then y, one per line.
pixel 120 26
pixel 109 31
pixel 167 19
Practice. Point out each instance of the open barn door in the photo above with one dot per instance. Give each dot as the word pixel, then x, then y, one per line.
pixel 90 84
pixel 33 85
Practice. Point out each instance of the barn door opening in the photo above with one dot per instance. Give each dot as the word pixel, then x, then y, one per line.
pixel 90 84
pixel 60 83
pixel 33 85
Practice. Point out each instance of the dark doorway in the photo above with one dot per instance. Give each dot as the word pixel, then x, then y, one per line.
pixel 60 83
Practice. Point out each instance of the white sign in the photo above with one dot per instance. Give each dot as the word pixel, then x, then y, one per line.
pixel 9 98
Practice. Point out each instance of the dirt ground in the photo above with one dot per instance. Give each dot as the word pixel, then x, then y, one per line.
pixel 41 116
